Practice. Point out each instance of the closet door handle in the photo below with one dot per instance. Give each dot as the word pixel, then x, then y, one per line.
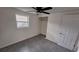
pixel 61 33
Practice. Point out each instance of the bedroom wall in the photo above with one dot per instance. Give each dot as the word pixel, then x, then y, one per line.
pixel 9 33
pixel 65 23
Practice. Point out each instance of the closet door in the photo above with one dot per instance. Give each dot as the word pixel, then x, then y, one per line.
pixel 70 26
pixel 54 22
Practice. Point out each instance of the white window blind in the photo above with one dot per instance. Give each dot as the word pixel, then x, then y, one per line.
pixel 22 21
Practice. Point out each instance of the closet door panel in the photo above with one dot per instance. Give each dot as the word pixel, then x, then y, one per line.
pixel 53 27
pixel 70 26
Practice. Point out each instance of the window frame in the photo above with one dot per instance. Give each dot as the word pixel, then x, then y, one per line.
pixel 20 21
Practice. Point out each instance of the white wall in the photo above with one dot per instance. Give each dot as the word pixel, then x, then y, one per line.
pixel 54 21
pixel 67 24
pixel 78 47
pixel 43 25
pixel 9 33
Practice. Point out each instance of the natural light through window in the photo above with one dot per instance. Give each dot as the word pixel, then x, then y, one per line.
pixel 22 21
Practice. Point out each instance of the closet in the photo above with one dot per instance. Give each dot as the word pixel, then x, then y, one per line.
pixel 63 29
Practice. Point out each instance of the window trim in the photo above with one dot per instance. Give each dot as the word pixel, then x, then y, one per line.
pixel 18 21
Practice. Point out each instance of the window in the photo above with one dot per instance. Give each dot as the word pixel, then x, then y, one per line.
pixel 22 21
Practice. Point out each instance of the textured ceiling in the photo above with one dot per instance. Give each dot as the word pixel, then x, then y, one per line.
pixel 55 9
pixel 66 8
pixel 26 9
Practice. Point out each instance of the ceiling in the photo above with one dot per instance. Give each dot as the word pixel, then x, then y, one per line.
pixel 61 9
pixel 55 9
pixel 26 9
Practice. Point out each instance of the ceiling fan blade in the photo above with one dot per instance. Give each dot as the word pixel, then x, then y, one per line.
pixel 47 8
pixel 46 12
pixel 34 8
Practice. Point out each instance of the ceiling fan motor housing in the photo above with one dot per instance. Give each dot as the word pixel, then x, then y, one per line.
pixel 42 10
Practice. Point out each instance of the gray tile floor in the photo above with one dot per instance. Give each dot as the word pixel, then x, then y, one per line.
pixel 35 44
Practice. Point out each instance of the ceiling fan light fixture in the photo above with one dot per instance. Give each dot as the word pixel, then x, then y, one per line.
pixel 42 9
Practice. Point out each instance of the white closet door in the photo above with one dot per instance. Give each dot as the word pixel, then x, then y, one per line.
pixel 54 22
pixel 70 26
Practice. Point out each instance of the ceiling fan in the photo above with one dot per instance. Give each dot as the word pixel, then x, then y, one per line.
pixel 42 9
